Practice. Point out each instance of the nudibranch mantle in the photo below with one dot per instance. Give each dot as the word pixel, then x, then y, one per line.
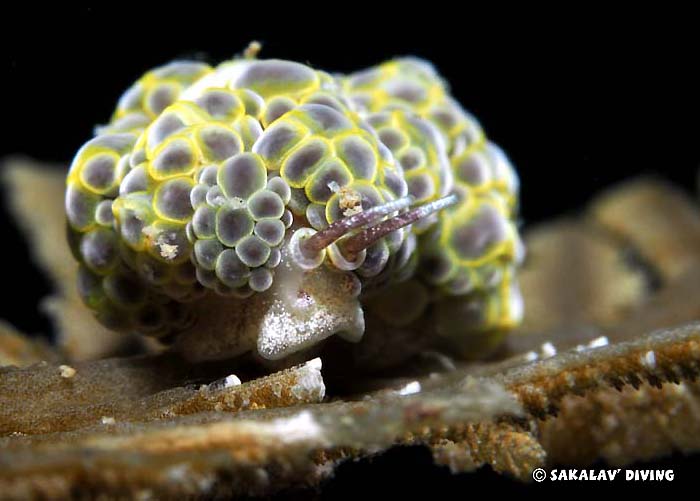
pixel 262 206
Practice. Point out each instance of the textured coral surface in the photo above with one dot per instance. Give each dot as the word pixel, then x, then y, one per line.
pixel 603 368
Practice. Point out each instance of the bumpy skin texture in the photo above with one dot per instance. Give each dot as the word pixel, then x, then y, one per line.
pixel 473 249
pixel 205 179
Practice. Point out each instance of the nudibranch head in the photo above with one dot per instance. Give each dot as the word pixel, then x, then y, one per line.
pixel 265 182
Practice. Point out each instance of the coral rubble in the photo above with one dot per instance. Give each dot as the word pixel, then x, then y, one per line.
pixel 604 367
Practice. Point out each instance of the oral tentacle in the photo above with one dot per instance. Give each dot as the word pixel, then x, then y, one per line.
pixel 322 239
pixel 357 243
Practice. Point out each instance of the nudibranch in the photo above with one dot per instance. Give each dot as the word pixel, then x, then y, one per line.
pixel 262 206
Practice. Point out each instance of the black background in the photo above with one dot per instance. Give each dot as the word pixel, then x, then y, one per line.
pixel 579 99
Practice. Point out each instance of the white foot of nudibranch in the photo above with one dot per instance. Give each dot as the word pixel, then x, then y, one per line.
pixel 300 309
pixel 307 307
